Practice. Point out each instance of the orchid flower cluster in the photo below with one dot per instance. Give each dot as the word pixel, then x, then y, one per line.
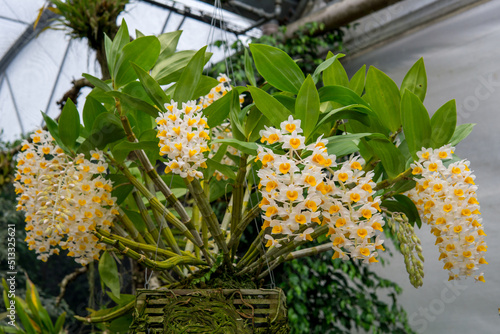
pixel 217 92
pixel 64 198
pixel 445 196
pixel 183 138
pixel 305 187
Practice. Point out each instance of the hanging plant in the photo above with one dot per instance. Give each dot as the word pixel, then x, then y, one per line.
pixel 335 165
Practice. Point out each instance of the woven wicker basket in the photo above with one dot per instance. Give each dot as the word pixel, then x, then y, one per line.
pixel 258 310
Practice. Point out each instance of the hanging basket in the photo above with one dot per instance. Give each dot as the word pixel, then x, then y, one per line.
pixel 224 311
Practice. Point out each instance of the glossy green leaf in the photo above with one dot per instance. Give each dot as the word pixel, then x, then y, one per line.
pixel 384 98
pixel 341 95
pixel 307 106
pixel 58 327
pixel 254 123
pixel 236 116
pixel 122 149
pixel 53 128
pixel 245 147
pixel 218 111
pixel 335 74
pixel 169 70
pixel 121 187
pixel 249 72
pixel 416 80
pixel 443 124
pixel 69 124
pixel 97 82
pixel 205 85
pixel 403 186
pixel 224 169
pixel 91 110
pixel 461 132
pixel 277 68
pixel 143 52
pixel 130 102
pixel 344 144
pixel 107 128
pixel 357 83
pixel 121 39
pixel 325 65
pixel 269 106
pixel 390 157
pixel 287 101
pixel 108 271
pixel 404 205
pixel 139 33
pixel 190 77
pixel 168 42
pixel 416 123
pixel 358 112
pixel 152 88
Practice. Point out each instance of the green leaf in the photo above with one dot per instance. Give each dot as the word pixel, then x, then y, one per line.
pixel 224 169
pixel 58 327
pixel 383 96
pixel 443 124
pixel 25 320
pixel 287 101
pixel 249 69
pixel 107 129
pixel 38 312
pixel 344 144
pixel 218 111
pixel 341 95
pixel 131 102
pixel 269 106
pixel 143 52
pixel 245 147
pixel 205 85
pixel 404 205
pixel 307 106
pixel 91 110
pixel 122 149
pixel 461 132
pixel 277 68
pixel 187 83
pixel 108 272
pixel 347 112
pixel 121 187
pixel 416 80
pixel 168 42
pixel 403 186
pixel 416 123
pixel 169 70
pixel 69 124
pixel 254 123
pixel 392 159
pixel 152 88
pixel 121 39
pixel 357 83
pixel 236 116
pixel 97 82
pixel 335 74
pixel 53 128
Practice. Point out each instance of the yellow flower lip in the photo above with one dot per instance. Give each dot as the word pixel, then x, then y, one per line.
pixel 295 142
pixel 292 195
pixel 290 127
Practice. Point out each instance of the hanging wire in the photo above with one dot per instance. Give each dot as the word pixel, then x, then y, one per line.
pixel 230 74
pixel 271 273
